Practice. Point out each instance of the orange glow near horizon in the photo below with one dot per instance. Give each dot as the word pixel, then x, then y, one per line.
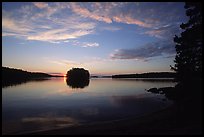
pixel 65 78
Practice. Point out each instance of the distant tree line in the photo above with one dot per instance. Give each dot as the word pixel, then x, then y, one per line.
pixel 12 76
pixel 147 75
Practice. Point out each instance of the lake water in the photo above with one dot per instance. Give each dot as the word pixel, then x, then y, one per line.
pixel 47 104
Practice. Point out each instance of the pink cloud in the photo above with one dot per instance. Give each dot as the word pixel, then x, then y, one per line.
pixel 105 12
pixel 130 20
pixel 40 5
pixel 58 34
pixel 86 13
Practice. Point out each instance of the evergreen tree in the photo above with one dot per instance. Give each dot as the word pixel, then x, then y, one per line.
pixel 188 61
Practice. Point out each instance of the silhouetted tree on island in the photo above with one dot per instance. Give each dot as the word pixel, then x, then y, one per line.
pixel 188 61
pixel 78 78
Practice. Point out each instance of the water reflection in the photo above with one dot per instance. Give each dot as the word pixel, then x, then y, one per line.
pixel 15 82
pixel 146 79
pixel 142 101
pixel 90 111
pixel 79 83
pixel 46 122
pixel 54 103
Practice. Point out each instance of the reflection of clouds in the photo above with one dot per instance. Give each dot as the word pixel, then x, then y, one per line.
pixel 50 121
pixel 89 111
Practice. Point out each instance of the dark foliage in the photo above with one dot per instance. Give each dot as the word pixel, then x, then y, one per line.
pixel 11 76
pixel 188 66
pixel 78 78
pixel 188 61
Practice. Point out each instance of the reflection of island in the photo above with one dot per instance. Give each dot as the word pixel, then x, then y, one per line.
pixel 11 76
pixel 78 78
pixel 78 83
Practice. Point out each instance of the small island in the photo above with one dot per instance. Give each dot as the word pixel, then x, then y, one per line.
pixel 78 78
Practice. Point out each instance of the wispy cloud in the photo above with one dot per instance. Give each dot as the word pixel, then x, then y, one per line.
pixel 164 32
pixel 11 27
pixel 128 13
pixel 43 25
pixel 58 35
pixel 57 22
pixel 90 45
pixel 146 51
pixel 63 62
pixel 106 12
pixel 130 20
pixel 84 12
pixel 83 44
pixel 8 34
pixel 68 63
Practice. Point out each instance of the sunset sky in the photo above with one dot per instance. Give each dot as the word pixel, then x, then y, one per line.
pixel 105 38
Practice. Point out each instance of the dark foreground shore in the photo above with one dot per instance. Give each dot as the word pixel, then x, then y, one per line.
pixel 170 121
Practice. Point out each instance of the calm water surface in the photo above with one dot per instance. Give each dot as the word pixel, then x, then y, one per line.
pixel 42 105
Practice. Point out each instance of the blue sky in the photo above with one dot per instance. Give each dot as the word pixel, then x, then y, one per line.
pixel 105 38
